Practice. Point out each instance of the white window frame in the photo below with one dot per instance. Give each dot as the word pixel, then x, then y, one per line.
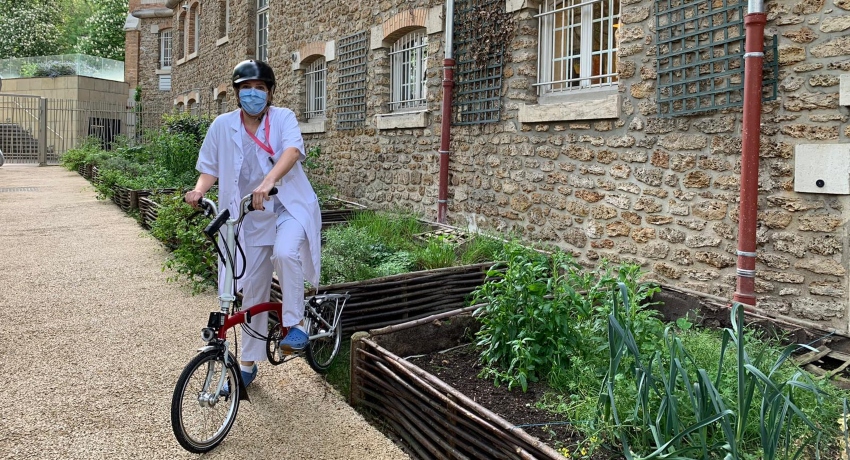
pixel 562 22
pixel 316 81
pixel 408 64
pixel 166 56
pixel 262 26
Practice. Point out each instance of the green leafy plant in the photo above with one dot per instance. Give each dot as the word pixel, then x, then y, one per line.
pixel 542 317
pixel 676 409
pixel 180 228
pixel 319 173
pixel 437 253
pixel 86 153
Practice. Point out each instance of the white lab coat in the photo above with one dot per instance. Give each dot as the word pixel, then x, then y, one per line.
pixel 221 156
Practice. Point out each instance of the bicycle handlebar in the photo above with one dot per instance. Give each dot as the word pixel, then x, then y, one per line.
pixel 220 219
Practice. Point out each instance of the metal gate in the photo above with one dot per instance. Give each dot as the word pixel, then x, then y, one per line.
pixel 21 127
pixel 39 130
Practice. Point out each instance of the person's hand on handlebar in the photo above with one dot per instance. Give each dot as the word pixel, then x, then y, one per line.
pixel 192 197
pixel 261 194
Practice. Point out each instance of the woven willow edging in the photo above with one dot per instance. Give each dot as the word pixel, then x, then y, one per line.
pixel 380 302
pixel 433 418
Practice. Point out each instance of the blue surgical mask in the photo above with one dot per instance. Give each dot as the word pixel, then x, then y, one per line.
pixel 253 100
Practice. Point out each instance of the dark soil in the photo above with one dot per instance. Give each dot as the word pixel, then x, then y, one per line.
pixel 460 368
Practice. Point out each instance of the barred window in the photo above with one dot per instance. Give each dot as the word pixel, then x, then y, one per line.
pixel 578 45
pixel 165 37
pixel 263 30
pixel 408 60
pixel 316 88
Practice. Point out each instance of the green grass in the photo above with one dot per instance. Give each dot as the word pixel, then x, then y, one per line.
pixel 339 373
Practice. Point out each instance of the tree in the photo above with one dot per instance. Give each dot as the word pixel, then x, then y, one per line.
pixel 30 28
pixel 104 30
pixel 74 14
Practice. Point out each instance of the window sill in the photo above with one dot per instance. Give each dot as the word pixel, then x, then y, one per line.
pixel 186 59
pixel 222 40
pixel 163 71
pixel 584 105
pixel 313 126
pixel 402 120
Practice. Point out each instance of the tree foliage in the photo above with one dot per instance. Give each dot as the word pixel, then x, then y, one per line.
pixel 30 28
pixel 105 30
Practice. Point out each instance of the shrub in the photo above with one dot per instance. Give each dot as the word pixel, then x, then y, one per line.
pixel 180 228
pixel 84 154
pixel 541 315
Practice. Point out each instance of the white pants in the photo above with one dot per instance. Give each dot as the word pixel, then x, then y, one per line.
pixel 255 284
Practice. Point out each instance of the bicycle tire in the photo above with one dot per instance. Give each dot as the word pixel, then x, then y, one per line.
pixel 204 369
pixel 321 352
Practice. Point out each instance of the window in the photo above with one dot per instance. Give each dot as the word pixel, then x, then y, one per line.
pixel 263 30
pixel 224 19
pixel 180 41
pixel 193 32
pixel 165 49
pixel 578 47
pixel 316 73
pixel 197 32
pixel 408 58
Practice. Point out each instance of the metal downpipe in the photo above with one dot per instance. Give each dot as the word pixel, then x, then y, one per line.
pixel 446 116
pixel 754 23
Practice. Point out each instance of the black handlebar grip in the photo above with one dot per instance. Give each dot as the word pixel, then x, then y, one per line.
pixel 272 192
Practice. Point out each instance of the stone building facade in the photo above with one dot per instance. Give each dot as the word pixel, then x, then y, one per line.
pixel 604 173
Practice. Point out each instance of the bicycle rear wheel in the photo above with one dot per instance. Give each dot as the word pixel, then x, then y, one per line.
pixel 322 351
pixel 201 419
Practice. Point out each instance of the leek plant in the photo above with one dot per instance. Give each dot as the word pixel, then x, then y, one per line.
pixel 678 412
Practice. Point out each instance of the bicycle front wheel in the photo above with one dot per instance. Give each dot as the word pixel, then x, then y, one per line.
pixel 200 417
pixel 322 351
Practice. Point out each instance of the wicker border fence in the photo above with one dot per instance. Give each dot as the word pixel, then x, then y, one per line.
pixel 434 419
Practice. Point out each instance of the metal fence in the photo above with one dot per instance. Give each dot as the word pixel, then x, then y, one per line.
pixel 37 130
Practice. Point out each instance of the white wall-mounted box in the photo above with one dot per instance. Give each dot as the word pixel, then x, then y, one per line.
pixel 844 90
pixel 822 168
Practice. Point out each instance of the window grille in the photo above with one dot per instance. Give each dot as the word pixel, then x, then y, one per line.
pixel 315 76
pixel 263 30
pixel 700 61
pixel 478 82
pixel 577 45
pixel 408 59
pixel 165 49
pixel 351 82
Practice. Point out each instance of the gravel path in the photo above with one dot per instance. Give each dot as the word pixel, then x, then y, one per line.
pixel 94 337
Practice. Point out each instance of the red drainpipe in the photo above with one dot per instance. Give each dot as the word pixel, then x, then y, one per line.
pixel 748 211
pixel 446 117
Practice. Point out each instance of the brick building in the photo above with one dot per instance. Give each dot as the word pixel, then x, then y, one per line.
pixel 611 127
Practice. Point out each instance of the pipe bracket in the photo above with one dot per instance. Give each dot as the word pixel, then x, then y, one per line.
pixel 752 54
pixel 746 254
pixel 746 273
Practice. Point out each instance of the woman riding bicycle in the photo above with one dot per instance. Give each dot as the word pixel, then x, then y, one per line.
pixel 249 151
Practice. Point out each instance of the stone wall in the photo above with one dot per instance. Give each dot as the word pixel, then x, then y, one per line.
pixel 659 192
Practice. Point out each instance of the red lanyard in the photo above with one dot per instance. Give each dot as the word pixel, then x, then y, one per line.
pixel 265 146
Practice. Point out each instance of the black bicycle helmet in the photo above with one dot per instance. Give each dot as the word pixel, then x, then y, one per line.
pixel 253 70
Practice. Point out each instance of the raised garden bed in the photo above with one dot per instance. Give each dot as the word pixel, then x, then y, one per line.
pixel 434 419
pixel 420 379
pixel 147 211
pixel 399 298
